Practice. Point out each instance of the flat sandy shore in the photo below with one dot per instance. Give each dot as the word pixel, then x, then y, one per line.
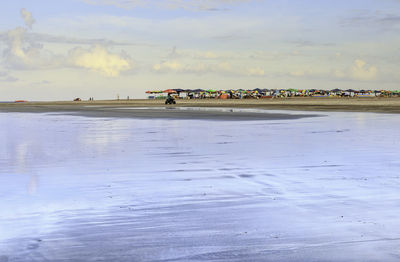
pixel 156 108
pixel 76 189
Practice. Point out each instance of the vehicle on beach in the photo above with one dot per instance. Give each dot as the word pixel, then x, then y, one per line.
pixel 77 99
pixel 170 100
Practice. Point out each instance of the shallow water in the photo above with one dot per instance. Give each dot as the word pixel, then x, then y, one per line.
pixel 107 189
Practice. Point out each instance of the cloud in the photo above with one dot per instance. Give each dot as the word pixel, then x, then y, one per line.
pixel 22 53
pixel 339 73
pixel 315 73
pixel 359 71
pixel 28 18
pixel 208 67
pixel 199 5
pixel 5 77
pixel 206 55
pixel 43 82
pixel 199 54
pixel 308 43
pixel 195 68
pixel 8 79
pixel 224 67
pixel 298 73
pixel 370 20
pixel 99 59
pixel 15 39
pixel 167 66
pixel 39 37
pixel 31 37
pixel 255 71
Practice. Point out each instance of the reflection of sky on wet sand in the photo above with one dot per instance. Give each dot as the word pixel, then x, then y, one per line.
pixel 74 188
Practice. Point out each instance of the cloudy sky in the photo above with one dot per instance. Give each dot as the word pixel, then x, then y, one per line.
pixel 58 50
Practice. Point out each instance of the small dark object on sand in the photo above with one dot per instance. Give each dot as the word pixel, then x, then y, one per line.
pixel 170 100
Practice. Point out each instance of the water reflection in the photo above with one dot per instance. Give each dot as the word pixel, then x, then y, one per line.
pixel 77 188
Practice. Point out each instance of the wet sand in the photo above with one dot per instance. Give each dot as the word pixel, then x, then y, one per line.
pixel 150 111
pixel 77 189
pixel 378 105
pixel 150 189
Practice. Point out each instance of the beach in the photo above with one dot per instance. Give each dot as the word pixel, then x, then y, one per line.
pixel 199 131
pixel 145 108
pixel 104 107
pixel 141 181
pixel 151 110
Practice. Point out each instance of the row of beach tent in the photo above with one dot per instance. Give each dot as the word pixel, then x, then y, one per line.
pixel 268 93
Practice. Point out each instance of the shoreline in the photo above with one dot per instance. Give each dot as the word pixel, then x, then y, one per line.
pixel 159 112
pixel 157 108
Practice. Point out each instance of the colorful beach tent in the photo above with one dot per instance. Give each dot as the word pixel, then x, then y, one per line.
pixel 169 91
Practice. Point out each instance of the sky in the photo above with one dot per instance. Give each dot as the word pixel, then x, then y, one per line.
pixel 60 50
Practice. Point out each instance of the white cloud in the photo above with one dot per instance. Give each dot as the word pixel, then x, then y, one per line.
pixel 359 71
pixel 99 59
pixel 26 53
pixel 15 39
pixel 167 66
pixel 22 53
pixel 28 18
